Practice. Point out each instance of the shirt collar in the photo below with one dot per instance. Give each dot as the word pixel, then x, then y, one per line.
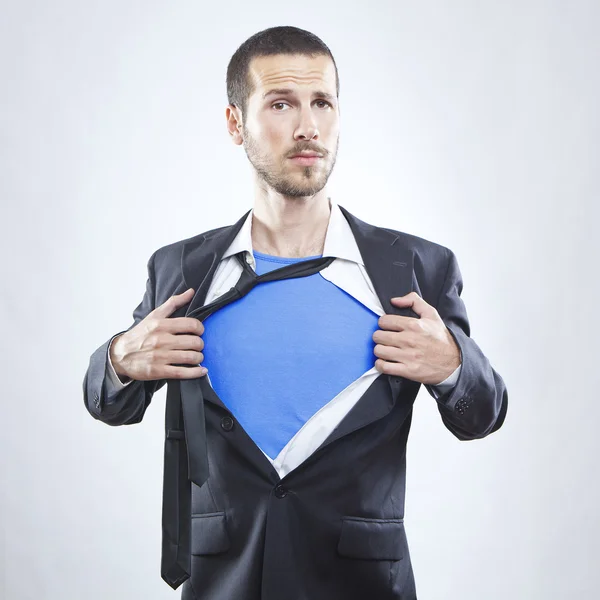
pixel 339 239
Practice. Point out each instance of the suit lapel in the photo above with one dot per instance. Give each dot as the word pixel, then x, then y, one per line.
pixel 389 265
pixel 200 259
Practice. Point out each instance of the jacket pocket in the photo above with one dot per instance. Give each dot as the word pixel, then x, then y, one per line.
pixel 209 534
pixel 376 539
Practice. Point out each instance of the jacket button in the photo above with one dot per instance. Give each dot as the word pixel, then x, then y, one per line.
pixel 227 423
pixel 280 491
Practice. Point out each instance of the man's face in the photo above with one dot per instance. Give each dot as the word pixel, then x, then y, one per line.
pixel 281 124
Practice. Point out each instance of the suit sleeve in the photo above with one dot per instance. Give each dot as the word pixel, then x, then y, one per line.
pixel 120 404
pixel 477 403
pixel 114 384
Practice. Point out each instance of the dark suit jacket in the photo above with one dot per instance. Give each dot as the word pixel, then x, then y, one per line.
pixel 333 528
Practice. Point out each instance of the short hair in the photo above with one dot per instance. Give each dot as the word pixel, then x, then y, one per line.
pixel 275 40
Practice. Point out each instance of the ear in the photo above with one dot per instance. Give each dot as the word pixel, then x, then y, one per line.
pixel 234 124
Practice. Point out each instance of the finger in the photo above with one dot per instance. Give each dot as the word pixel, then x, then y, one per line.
pixel 399 339
pixel 184 357
pixel 173 372
pixel 184 342
pixel 418 304
pixel 394 322
pixel 389 353
pixel 182 325
pixel 397 369
pixel 167 308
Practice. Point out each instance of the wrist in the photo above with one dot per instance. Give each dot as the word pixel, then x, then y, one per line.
pixel 116 356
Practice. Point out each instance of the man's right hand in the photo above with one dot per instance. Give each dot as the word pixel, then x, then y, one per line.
pixel 152 348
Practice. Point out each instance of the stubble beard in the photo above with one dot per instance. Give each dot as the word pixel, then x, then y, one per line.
pixel 311 182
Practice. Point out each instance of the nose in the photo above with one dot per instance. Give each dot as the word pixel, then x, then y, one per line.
pixel 310 134
pixel 307 128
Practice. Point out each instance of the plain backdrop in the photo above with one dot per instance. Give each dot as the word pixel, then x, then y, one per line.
pixel 472 124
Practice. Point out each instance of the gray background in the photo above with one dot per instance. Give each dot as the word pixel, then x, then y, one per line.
pixel 472 124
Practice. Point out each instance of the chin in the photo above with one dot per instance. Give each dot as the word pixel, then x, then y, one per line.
pixel 298 192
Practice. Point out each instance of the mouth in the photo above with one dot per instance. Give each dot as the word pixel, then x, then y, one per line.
pixel 305 159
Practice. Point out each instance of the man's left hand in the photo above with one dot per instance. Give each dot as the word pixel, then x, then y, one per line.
pixel 419 349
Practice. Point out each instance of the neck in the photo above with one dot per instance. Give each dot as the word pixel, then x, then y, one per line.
pixel 290 227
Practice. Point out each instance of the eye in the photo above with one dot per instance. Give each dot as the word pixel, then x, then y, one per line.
pixel 285 103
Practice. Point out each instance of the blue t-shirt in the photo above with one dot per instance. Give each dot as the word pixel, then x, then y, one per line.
pixel 285 349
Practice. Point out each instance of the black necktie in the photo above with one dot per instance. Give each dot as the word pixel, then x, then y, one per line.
pixel 186 458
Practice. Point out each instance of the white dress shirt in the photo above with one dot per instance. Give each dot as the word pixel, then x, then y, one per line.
pixel 346 272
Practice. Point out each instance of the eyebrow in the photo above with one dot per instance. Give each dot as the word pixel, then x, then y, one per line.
pixel 286 91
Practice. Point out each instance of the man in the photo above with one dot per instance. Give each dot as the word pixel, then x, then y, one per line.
pixel 311 379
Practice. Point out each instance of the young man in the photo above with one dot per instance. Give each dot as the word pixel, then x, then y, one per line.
pixel 285 465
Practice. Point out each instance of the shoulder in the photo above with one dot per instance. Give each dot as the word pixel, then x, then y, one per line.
pixel 420 245
pixel 426 252
pixel 431 261
pixel 170 254
pixel 429 256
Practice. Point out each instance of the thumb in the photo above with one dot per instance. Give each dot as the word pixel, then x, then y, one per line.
pixel 167 308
